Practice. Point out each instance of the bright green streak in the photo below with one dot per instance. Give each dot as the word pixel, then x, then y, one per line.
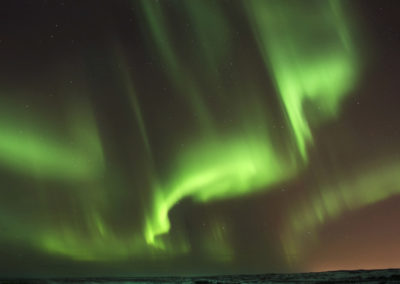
pixel 218 170
pixel 306 47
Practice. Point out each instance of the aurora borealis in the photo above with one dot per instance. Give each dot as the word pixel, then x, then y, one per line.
pixel 191 137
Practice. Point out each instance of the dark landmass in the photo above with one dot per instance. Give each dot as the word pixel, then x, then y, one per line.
pixel 347 276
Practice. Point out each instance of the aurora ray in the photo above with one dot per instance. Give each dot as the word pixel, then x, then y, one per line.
pixel 304 71
pixel 330 201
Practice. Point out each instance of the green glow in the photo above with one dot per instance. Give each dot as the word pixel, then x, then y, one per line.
pixel 180 75
pixel 212 35
pixel 102 246
pixel 331 201
pixel 217 243
pixel 25 148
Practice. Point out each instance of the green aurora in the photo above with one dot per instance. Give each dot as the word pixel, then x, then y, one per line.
pixel 225 167
pixel 305 50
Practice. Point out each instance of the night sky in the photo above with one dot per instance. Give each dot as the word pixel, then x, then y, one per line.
pixel 177 137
